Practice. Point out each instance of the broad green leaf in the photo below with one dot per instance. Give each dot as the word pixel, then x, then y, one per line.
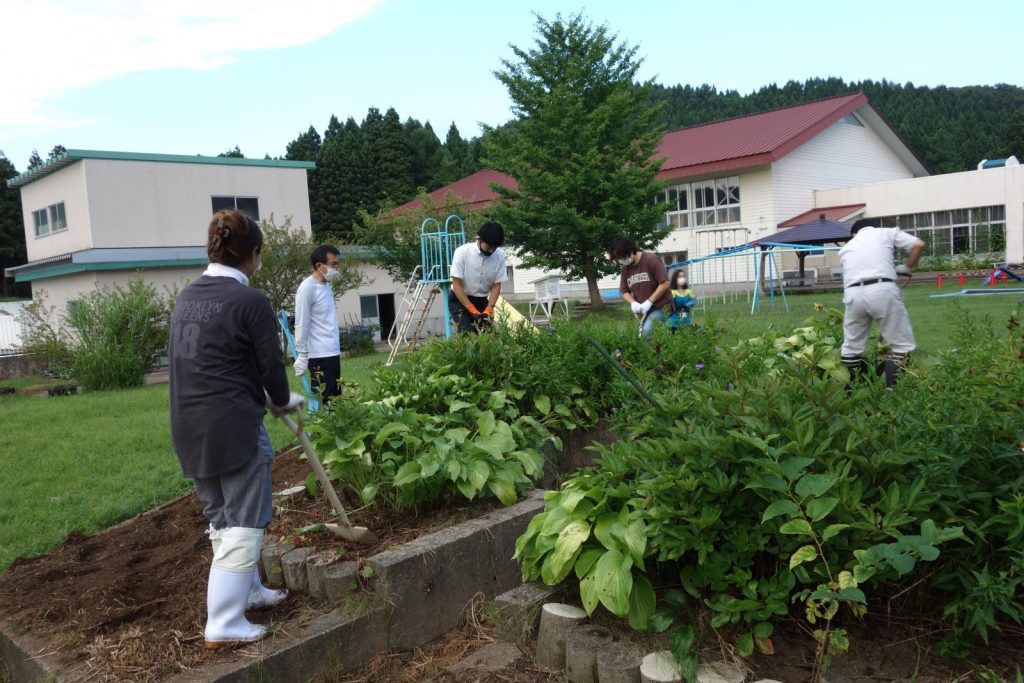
pixel 504 490
pixel 407 474
pixel 805 553
pixel 792 468
pixel 635 536
pixel 311 484
pixel 479 473
pixel 485 422
pixel 543 404
pixel 466 488
pixel 389 429
pixel 745 644
pixel 570 498
pixel 614 581
pixel 586 561
pixel 498 441
pixel 641 602
pixel 456 434
pixel 532 462
pixel 853 595
pixel 688 666
pixel 772 482
pixel 456 406
pixel 780 507
pixel 846 580
pixel 559 562
pixel 796 527
pixel 815 484
pixel 659 621
pixel 589 594
pixel 603 530
pixel 675 598
pixel 368 493
pixel 818 508
pixel 831 530
pixel 681 640
pixel 763 630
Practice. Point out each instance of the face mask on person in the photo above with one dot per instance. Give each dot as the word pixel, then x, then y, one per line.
pixel 681 283
pixel 483 253
pixel 331 274
pixel 626 261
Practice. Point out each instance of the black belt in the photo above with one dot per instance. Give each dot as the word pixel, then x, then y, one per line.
pixel 875 281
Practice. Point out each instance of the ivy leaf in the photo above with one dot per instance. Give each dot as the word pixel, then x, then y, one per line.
pixel 796 527
pixel 641 602
pixel 780 507
pixel 815 484
pixel 818 508
pixel 805 553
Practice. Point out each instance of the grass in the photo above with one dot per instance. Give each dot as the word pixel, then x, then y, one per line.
pixel 88 461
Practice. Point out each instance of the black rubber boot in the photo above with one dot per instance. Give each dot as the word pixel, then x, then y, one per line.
pixel 858 368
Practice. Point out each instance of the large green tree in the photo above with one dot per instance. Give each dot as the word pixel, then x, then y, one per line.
pixel 12 229
pixel 581 147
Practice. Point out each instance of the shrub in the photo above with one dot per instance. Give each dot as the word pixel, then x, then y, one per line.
pixel 117 334
pixel 41 333
pixel 358 341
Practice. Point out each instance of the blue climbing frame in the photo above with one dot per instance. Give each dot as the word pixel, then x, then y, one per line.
pixel 437 244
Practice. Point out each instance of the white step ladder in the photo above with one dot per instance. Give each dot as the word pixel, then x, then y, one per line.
pixel 416 304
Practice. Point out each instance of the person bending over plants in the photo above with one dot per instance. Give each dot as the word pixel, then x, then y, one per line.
pixel 226 369
pixel 643 283
pixel 478 269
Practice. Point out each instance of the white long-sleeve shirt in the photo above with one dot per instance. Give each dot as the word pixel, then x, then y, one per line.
pixel 316 320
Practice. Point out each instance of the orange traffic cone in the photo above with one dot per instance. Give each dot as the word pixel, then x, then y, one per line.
pixel 938 281
pixel 962 278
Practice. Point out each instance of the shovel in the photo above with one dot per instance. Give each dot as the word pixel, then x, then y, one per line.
pixel 356 534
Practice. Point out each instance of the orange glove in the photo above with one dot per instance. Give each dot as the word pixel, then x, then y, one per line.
pixel 489 310
pixel 472 310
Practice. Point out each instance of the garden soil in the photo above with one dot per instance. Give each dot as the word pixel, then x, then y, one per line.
pixel 128 604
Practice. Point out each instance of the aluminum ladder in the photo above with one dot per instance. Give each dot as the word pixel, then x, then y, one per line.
pixel 416 304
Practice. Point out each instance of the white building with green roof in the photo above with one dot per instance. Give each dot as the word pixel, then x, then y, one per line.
pixel 95 218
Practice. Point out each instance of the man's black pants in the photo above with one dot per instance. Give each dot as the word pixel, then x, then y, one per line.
pixel 326 372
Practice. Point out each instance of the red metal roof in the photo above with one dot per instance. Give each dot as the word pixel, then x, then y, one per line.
pixel 749 140
pixel 831 213
pixel 474 191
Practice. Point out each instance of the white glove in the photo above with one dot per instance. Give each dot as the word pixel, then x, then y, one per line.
pixel 902 269
pixel 646 306
pixel 636 308
pixel 295 402
pixel 301 364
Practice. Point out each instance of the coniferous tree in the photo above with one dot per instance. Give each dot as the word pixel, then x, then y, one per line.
pixel 57 151
pixel 426 153
pixel 232 153
pixel 306 147
pixel 12 229
pixel 34 161
pixel 394 163
pixel 581 148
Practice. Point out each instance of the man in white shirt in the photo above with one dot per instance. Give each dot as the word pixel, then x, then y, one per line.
pixel 870 294
pixel 317 343
pixel 478 269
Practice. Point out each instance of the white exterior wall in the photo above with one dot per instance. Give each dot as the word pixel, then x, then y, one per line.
pixel 68 186
pixel 59 291
pixel 840 156
pixel 968 189
pixel 164 204
pixel 378 281
pixel 167 281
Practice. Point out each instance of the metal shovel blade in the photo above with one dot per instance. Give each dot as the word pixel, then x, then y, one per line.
pixel 356 534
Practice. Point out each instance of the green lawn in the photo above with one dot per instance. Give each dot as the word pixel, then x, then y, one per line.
pixel 88 461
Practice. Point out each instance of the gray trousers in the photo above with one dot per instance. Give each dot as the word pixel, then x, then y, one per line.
pixel 242 497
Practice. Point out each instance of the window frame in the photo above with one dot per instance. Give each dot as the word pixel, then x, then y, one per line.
pixel 234 204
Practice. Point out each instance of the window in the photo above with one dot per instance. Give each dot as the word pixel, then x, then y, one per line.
pixel 58 221
pixel 42 224
pixel 368 306
pixel 250 206
pixel 49 220
pixel 703 203
pixel 975 230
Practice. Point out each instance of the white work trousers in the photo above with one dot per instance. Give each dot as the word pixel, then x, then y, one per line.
pixel 882 302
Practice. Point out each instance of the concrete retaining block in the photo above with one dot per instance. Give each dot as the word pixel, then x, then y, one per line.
pixel 339 581
pixel 271 558
pixel 516 613
pixel 293 564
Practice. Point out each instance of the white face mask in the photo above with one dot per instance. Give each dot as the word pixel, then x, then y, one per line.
pixel 626 261
pixel 332 274
pixel 681 283
pixel 259 263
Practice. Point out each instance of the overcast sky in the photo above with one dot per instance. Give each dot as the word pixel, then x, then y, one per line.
pixel 201 76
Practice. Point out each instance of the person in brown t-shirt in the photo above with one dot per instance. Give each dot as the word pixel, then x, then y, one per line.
pixel 643 283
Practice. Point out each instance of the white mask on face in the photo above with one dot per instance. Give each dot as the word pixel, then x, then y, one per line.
pixel 332 274
pixel 681 283
pixel 259 263
pixel 626 261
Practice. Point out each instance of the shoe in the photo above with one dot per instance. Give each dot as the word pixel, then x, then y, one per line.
pixel 226 597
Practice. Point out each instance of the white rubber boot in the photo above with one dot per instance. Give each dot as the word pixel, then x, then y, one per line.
pixel 226 598
pixel 260 596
